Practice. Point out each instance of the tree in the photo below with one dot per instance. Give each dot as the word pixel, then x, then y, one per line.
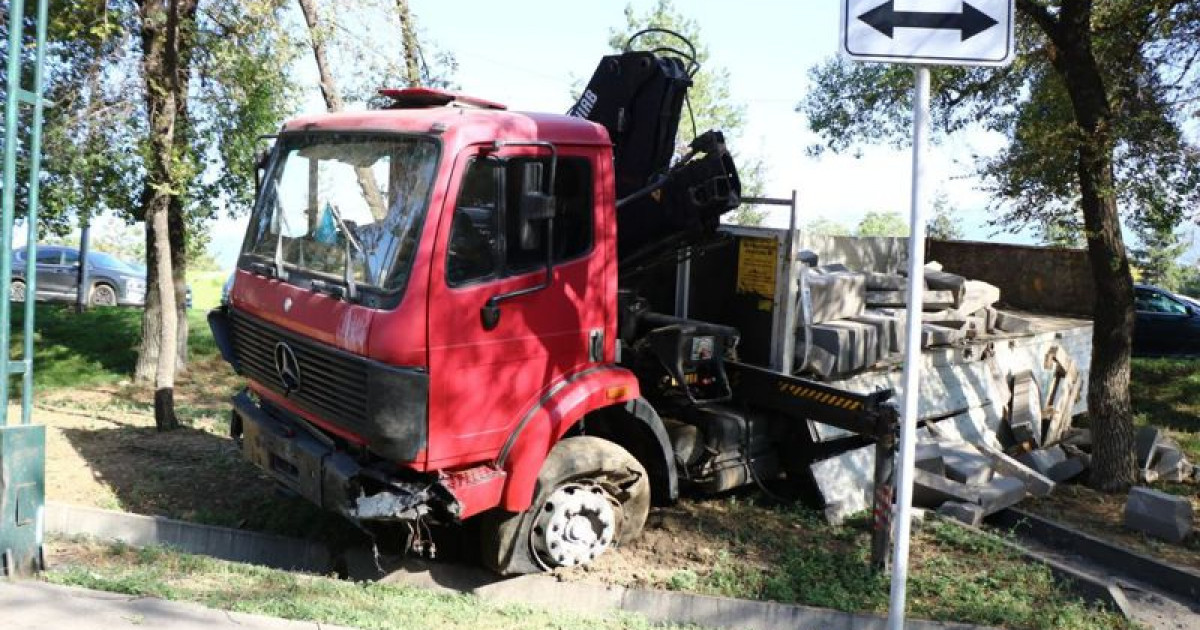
pixel 1093 110
pixel 826 227
pixel 883 224
pixel 1156 256
pixel 160 102
pixel 944 225
pixel 710 105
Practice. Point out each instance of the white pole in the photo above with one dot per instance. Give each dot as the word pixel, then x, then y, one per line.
pixel 912 355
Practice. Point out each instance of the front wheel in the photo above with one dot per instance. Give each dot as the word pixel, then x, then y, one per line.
pixel 591 496
pixel 103 295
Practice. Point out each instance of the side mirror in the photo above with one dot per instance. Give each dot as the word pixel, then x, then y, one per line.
pixel 534 205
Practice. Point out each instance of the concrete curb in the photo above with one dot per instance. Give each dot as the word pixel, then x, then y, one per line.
pixel 1171 578
pixel 535 590
pixel 238 545
pixel 657 606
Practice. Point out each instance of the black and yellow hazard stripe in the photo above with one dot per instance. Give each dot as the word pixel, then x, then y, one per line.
pixel 825 398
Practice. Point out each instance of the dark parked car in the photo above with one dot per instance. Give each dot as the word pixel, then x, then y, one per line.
pixel 113 281
pixel 1166 324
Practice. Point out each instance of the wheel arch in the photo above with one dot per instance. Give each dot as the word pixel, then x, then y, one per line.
pixel 601 402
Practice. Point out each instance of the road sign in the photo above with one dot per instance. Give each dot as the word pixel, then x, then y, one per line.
pixel 945 32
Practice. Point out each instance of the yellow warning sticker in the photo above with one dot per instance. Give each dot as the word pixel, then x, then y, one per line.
pixel 757 263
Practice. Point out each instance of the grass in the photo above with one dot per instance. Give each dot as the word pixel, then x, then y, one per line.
pixel 956 574
pixel 160 572
pixel 1166 394
pixel 99 346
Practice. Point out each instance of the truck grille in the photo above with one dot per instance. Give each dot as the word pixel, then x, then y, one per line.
pixel 333 383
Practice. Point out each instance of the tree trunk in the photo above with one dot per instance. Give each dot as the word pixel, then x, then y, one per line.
pixel 178 23
pixel 1113 467
pixel 333 103
pixel 166 25
pixel 412 50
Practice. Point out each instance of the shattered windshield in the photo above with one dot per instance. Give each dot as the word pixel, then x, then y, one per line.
pixel 345 205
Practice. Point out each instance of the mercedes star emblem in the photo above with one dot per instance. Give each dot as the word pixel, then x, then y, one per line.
pixel 287 367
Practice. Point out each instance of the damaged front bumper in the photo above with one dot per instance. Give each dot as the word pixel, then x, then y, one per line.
pixel 309 463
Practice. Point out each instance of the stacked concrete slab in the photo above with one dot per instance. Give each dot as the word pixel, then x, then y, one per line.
pixel 836 302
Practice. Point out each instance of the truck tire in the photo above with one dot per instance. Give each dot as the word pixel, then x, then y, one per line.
pixel 591 495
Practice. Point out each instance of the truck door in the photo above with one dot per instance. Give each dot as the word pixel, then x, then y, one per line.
pixel 482 381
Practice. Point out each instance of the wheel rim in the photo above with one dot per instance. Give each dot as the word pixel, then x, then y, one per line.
pixel 104 296
pixel 16 292
pixel 576 524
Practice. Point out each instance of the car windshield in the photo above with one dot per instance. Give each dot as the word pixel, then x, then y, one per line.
pixel 322 186
pixel 108 261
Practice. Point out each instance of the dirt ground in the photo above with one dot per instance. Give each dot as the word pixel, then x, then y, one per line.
pixel 103 451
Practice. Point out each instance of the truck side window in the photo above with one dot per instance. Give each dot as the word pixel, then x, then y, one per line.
pixel 471 253
pixel 572 220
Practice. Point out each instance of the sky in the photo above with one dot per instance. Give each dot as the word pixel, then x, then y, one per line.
pixel 528 54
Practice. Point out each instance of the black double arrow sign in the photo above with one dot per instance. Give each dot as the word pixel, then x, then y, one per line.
pixel 885 19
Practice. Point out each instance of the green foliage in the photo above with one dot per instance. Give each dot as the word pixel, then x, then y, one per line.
pixel 944 225
pixel 883 224
pixel 709 105
pixel 1156 257
pixel 826 227
pixel 1033 180
pixel 365 50
pixel 96 138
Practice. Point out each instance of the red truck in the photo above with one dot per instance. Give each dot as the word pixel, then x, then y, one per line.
pixel 439 310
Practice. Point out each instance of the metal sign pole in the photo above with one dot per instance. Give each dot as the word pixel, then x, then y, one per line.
pixel 912 355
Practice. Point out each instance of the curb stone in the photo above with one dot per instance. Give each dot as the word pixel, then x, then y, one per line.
pixel 536 590
pixel 278 552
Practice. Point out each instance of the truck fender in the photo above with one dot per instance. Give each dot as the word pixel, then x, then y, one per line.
pixel 562 408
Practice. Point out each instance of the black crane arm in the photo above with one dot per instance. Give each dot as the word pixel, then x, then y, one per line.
pixel 638 96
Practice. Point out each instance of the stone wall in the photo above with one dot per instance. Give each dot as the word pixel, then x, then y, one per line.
pixel 1041 279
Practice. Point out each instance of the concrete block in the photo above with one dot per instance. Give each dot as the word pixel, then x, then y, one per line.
pixel 933 335
pixel 885 282
pixel 930 490
pixel 1081 438
pixel 830 347
pixel 1066 470
pixel 1169 464
pixel 832 296
pixel 847 480
pixel 1042 460
pixel 1145 444
pixel 1158 514
pixel 1038 484
pixel 884 332
pixel 933 300
pixel 1025 410
pixel 1000 493
pixel 929 458
pixel 968 513
pixel 978 296
pixel 966 465
pixel 864 345
pixel 894 321
pixel 952 283
pixel 1074 452
pixel 1008 322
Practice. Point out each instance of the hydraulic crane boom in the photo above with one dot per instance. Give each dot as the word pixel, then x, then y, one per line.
pixel 638 96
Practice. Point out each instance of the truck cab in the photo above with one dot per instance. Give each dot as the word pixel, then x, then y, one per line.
pixel 425 310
